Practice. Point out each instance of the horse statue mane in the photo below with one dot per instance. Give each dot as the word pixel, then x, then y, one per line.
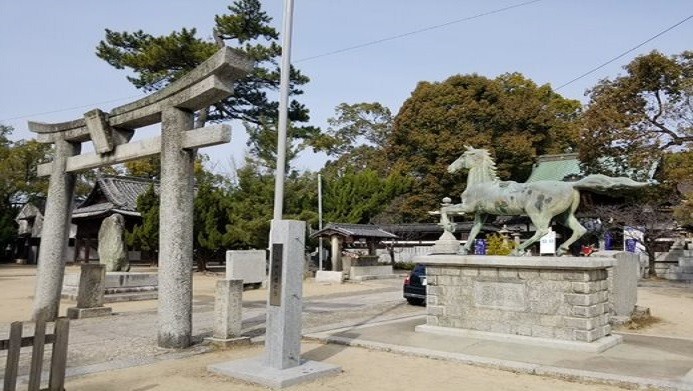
pixel 479 158
pixel 541 201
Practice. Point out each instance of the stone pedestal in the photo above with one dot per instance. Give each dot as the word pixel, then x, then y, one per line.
pixel 324 276
pixel 118 286
pixel 91 292
pixel 363 273
pixel 446 244
pixel 547 301
pixel 228 304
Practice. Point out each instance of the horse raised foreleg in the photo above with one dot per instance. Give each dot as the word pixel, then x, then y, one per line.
pixel 479 220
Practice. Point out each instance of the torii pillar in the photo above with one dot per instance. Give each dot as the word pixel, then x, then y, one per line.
pixel 51 265
pixel 174 107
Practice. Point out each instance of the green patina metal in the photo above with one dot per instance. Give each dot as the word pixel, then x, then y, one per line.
pixel 541 200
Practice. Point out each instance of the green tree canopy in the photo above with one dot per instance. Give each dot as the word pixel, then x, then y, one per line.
pixel 360 196
pixel 145 236
pixel 251 203
pixel 635 118
pixel 510 115
pixel 262 142
pixel 156 61
pixel 18 162
pixel 678 170
pixel 18 182
pixel 356 137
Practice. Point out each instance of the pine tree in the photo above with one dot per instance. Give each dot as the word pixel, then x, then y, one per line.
pixel 156 61
pixel 145 236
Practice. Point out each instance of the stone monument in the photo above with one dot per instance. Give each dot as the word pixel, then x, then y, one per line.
pixel 112 248
pixel 281 365
pixel 562 302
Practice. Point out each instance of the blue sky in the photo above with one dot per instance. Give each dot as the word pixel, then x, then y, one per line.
pixel 49 73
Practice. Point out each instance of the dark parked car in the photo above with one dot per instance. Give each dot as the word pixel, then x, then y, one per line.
pixel 415 286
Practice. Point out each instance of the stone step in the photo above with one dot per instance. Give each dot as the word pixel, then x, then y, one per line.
pixel 677 276
pixel 686 261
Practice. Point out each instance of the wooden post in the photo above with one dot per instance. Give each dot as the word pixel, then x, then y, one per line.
pixel 56 381
pixel 15 346
pixel 37 356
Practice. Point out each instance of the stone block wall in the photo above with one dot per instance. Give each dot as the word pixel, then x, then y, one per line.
pixel 675 265
pixel 560 304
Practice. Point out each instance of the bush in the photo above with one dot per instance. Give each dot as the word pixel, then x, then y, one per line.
pixel 404 265
pixel 498 245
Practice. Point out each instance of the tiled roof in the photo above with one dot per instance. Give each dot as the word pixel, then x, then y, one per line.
pixel 555 167
pixel 563 167
pixel 432 228
pixel 355 231
pixel 121 196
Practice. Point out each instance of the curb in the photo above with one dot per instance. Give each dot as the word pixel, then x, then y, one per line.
pixel 508 365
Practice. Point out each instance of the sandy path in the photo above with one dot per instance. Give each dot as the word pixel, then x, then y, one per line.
pixel 18 283
pixel 363 370
pixel 671 305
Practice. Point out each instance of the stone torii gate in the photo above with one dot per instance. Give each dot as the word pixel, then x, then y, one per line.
pixel 110 133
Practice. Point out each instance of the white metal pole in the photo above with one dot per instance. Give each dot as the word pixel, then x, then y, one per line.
pixel 283 110
pixel 320 221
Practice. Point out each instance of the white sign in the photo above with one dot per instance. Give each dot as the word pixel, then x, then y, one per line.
pixel 636 235
pixel 547 243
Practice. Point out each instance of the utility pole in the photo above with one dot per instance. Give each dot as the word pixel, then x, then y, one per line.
pixel 320 221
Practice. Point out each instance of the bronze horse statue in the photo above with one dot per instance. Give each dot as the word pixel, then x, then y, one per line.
pixel 541 201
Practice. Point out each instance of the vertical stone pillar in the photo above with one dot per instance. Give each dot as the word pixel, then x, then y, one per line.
pixel 92 285
pixel 336 253
pixel 56 221
pixel 623 284
pixel 283 340
pixel 228 304
pixel 175 231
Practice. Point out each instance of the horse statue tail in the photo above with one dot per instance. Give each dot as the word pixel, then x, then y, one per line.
pixel 601 182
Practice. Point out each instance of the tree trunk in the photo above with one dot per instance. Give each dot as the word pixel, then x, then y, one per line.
pixel 201 260
pixel 651 264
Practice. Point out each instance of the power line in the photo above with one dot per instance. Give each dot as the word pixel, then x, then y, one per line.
pixel 371 43
pixel 422 30
pixel 70 108
pixel 624 53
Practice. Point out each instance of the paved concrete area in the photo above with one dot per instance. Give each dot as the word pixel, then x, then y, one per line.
pixel 641 361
